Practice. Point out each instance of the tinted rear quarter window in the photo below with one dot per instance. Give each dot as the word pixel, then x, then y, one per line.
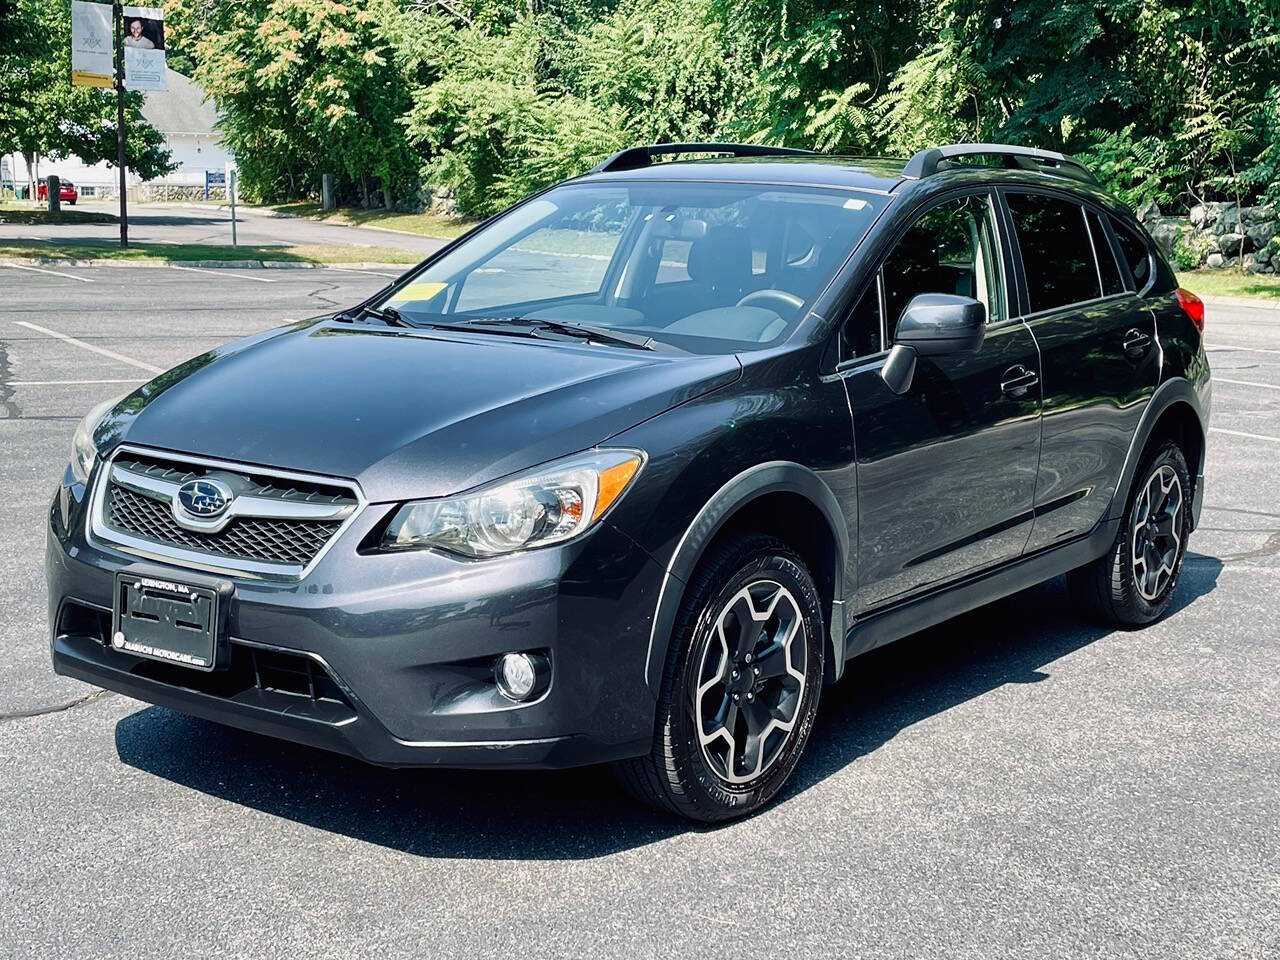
pixel 1135 252
pixel 1057 255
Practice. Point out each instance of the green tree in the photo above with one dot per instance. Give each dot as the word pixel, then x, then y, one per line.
pixel 305 87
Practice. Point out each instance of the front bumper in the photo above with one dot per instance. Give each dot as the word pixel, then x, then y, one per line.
pixel 388 657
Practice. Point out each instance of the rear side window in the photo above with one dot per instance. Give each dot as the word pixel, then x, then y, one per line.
pixel 1057 255
pixel 1108 269
pixel 1135 254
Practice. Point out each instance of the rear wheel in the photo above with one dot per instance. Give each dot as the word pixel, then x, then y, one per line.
pixel 741 685
pixel 1133 583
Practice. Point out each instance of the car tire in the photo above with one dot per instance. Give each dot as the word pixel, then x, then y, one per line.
pixel 736 705
pixel 1132 584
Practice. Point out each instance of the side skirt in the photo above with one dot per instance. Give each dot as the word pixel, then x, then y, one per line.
pixel 911 616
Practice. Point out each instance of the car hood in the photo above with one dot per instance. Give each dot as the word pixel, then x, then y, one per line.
pixel 405 413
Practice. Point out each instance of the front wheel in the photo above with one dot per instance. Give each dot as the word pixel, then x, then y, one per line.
pixel 741 685
pixel 1133 583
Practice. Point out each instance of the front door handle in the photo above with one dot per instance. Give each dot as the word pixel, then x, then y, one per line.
pixel 1017 380
pixel 1136 343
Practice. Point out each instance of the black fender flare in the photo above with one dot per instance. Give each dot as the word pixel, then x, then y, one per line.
pixel 1173 391
pixel 773 477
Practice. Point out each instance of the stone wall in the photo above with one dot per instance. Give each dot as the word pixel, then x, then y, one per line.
pixel 177 192
pixel 1215 235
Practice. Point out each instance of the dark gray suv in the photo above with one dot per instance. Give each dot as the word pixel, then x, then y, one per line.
pixel 629 472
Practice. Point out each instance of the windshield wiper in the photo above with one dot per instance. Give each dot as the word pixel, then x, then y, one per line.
pixel 388 315
pixel 571 328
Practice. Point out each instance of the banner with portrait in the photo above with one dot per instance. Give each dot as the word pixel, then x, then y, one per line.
pixel 144 48
pixel 92 64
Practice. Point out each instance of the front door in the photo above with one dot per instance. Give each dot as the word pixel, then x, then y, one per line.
pixel 946 472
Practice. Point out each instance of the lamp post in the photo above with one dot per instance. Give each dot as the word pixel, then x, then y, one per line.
pixel 118 14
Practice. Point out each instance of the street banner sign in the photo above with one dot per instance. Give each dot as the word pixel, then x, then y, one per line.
pixel 144 48
pixel 91 61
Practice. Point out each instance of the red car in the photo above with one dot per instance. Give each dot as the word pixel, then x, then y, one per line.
pixel 67 192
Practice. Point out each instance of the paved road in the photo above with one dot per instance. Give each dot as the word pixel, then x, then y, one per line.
pixel 174 223
pixel 1014 784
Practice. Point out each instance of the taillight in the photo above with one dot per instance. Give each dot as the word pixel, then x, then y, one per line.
pixel 1192 306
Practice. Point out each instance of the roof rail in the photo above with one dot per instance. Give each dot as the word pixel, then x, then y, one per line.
pixel 634 158
pixel 934 159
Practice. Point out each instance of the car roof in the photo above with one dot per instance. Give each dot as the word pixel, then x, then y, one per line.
pixel 928 171
pixel 881 174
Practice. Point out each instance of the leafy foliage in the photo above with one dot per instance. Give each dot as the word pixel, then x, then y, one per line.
pixel 1170 101
pixel 305 87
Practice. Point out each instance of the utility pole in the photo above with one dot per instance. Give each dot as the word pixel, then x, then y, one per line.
pixel 118 14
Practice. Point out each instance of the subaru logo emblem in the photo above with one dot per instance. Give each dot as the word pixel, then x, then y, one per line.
pixel 204 498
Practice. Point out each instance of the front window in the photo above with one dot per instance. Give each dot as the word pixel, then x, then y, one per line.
pixel 704 267
pixel 952 248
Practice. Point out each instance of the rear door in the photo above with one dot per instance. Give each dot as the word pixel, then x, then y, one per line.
pixel 946 471
pixel 1099 358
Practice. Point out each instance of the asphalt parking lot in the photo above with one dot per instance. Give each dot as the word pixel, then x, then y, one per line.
pixel 1016 783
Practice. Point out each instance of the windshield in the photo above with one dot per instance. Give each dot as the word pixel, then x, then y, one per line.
pixel 705 267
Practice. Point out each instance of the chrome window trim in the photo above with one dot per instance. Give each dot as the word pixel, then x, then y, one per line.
pixel 97 533
pixel 1075 307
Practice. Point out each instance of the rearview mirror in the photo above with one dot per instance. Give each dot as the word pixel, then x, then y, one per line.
pixel 933 325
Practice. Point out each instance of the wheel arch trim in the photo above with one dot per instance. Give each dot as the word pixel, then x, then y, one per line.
pixel 1178 390
pixel 777 476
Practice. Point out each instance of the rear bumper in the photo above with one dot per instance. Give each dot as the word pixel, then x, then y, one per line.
pixel 388 657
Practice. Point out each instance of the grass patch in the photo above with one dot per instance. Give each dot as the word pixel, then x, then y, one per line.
pixel 24 213
pixel 423 224
pixel 1231 283
pixel 185 253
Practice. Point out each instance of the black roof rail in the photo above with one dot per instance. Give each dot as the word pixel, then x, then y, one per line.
pixel 933 159
pixel 633 158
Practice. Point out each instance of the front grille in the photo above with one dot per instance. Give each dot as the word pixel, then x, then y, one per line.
pixel 264 540
pixel 275 524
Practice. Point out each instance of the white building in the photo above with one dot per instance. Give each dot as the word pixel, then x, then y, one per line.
pixel 186 119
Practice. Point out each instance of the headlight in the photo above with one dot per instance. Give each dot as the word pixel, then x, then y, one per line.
pixel 83 451
pixel 551 504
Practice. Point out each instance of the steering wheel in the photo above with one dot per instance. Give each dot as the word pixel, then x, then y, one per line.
pixel 789 301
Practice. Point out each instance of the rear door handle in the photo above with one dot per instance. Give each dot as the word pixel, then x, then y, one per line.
pixel 1017 381
pixel 1136 343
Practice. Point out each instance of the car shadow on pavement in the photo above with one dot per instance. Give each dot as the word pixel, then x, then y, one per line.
pixel 1010 641
pixel 583 813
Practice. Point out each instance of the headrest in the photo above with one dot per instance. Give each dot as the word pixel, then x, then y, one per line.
pixel 722 258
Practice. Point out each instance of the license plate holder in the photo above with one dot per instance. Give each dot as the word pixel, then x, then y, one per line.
pixel 180 621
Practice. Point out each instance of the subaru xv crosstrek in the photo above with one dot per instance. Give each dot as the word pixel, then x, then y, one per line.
pixel 629 472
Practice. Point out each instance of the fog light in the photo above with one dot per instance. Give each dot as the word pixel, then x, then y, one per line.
pixel 520 676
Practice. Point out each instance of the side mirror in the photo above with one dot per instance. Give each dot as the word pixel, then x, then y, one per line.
pixel 933 325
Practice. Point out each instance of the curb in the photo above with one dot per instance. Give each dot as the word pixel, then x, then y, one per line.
pixel 205 264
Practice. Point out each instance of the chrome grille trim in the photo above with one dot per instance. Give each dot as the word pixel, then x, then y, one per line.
pixel 263 502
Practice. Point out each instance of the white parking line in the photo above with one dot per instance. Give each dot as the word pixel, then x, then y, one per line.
pixel 223 273
pixel 1248 383
pixel 101 351
pixel 1225 349
pixel 67 383
pixel 364 273
pixel 52 273
pixel 1241 433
